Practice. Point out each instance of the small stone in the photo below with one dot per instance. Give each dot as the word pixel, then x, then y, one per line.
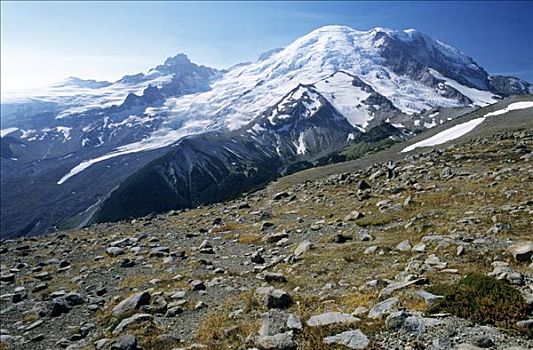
pixel 484 342
pixel 125 342
pixel 280 341
pixel 460 250
pixel 371 250
pixel 173 312
pixel 393 287
pixel 351 339
pixel 114 251
pixel 428 297
pixel 404 246
pixel 274 277
pixel 159 252
pixel 127 263
pixel 522 251
pixel 419 248
pixel 64 263
pixel 257 258
pixel 354 215
pixel 197 285
pixel 273 322
pixel 303 247
pixel 363 185
pixel 275 298
pixel 101 344
pixel 365 236
pixel 294 322
pixel 135 319
pixel 280 195
pixel 131 303
pixel 57 307
pixel 7 277
pixel 330 318
pixel 383 308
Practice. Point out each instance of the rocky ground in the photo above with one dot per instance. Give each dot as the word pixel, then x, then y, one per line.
pixel 348 261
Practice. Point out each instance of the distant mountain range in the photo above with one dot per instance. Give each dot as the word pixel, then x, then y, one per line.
pixel 182 134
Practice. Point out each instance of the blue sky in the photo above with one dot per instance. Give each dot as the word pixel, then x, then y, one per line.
pixel 43 42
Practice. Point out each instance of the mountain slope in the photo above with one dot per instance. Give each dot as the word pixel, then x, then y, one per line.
pixel 218 166
pixel 67 138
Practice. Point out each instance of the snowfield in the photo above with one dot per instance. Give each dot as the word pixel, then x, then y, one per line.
pixel 461 129
pixel 7 131
pixel 511 107
pixel 446 135
pixel 479 97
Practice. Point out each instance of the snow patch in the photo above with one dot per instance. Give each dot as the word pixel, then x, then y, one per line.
pixel 7 131
pixel 446 135
pixel 511 107
pixel 65 131
pixel 300 146
pixel 346 98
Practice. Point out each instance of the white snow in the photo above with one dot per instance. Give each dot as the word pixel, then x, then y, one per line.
pixel 75 99
pixel 429 125
pixel 300 146
pixel 398 125
pixel 7 131
pixel 446 135
pixel 245 91
pixel 242 93
pixel 463 128
pixel 346 98
pixel 65 131
pixel 478 97
pixel 511 107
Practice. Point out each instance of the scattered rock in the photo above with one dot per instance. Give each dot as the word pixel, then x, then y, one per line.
pixel 351 339
pixel 330 318
pixel 125 342
pixel 383 308
pixel 130 304
pixel 404 246
pixel 303 247
pixel 522 251
pixel 135 319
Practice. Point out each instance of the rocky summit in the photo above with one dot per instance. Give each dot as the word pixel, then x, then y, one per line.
pixel 430 249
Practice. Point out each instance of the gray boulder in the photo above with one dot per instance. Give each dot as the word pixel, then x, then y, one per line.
pixel 383 308
pixel 351 339
pixel 130 304
pixel 135 319
pixel 522 251
pixel 330 318
pixel 280 341
pixel 125 342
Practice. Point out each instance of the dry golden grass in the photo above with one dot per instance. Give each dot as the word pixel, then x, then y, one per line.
pixel 230 226
pixel 250 238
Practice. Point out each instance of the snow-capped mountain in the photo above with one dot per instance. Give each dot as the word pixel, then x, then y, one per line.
pixel 76 131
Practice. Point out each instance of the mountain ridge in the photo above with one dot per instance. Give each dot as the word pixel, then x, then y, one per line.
pixel 369 77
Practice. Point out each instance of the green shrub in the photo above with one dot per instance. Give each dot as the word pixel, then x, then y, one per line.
pixel 482 299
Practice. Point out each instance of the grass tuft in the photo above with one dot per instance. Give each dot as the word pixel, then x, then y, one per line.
pixel 482 299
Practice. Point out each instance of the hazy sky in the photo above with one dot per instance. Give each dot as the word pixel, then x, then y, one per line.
pixel 43 42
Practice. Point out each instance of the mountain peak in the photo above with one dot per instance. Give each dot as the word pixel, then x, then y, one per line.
pixel 177 60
